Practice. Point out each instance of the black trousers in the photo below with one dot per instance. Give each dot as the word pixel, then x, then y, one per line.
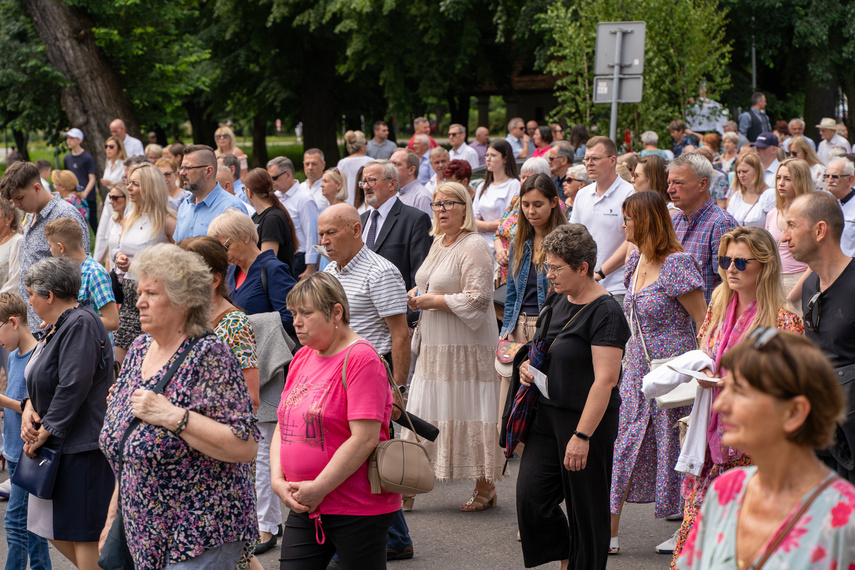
pixel 543 483
pixel 359 541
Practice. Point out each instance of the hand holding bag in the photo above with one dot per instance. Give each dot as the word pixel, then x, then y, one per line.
pixel 37 475
pixel 396 465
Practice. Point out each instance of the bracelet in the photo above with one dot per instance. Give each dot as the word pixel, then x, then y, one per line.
pixel 24 403
pixel 599 271
pixel 182 424
pixel 582 436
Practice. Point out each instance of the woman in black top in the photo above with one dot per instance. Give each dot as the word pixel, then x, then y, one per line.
pixel 275 229
pixel 579 420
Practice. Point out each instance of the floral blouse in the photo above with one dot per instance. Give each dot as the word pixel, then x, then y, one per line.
pixel 823 538
pixel 176 501
pixel 508 229
pixel 234 329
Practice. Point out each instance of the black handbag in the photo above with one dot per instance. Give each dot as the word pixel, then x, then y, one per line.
pixel 116 555
pixel 36 475
pixel 118 292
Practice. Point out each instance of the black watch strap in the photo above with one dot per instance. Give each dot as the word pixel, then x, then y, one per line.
pixel 582 436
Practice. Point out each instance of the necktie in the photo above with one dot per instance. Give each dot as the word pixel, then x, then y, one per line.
pixel 372 230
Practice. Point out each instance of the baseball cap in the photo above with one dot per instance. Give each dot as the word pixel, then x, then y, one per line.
pixel 75 133
pixel 765 140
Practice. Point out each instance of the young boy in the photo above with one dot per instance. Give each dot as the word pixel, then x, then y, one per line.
pixel 96 289
pixel 16 337
pixel 44 172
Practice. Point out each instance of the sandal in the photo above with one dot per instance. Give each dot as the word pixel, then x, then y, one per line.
pixel 407 502
pixel 478 502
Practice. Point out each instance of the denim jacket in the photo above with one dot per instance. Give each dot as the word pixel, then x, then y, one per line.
pixel 516 288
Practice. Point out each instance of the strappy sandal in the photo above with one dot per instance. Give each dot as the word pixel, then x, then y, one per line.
pixel 478 502
pixel 407 502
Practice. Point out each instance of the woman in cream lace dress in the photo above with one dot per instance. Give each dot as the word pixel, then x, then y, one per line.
pixel 455 386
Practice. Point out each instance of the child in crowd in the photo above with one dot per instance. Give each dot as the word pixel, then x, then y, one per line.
pixel 96 289
pixel 44 172
pixel 15 336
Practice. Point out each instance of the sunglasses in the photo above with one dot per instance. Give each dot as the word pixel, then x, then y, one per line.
pixel 763 336
pixel 110 146
pixel 740 262
pixel 809 321
pixel 793 154
pixel 113 197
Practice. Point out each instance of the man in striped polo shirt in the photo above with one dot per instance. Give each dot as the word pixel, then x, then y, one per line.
pixel 378 313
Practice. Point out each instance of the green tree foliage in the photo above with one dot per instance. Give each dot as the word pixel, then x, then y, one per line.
pixel 685 44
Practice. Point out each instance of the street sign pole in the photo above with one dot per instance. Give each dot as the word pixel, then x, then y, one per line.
pixel 616 79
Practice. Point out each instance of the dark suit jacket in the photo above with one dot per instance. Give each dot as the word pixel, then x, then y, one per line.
pixel 404 240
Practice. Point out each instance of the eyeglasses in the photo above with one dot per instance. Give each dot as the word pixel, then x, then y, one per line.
pixel 834 176
pixel 225 244
pixel 740 262
pixel 370 182
pixel 165 174
pixel 592 159
pixel 110 146
pixel 455 134
pixel 551 158
pixel 808 318
pixel 445 206
pixel 278 176
pixel 762 336
pixel 218 137
pixel 4 322
pixel 626 219
pixel 793 154
pixel 186 168
pixel 113 197
pixel 554 268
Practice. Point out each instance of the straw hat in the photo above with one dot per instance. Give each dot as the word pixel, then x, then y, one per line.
pixel 827 123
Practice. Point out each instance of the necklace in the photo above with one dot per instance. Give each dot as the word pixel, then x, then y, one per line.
pixel 8 235
pixel 454 239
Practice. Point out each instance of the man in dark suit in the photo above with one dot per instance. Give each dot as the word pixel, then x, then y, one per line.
pixel 392 229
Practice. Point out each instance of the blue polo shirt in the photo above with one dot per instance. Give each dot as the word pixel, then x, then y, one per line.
pixel 194 218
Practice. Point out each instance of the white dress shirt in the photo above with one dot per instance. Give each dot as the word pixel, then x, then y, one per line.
pixel 384 212
pixel 133 147
pixel 467 153
pixel 317 195
pixel 304 215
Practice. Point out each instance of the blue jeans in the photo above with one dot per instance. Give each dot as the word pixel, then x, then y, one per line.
pixel 20 541
pixel 399 533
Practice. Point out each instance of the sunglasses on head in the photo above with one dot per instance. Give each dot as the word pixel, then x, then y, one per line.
pixel 763 337
pixel 740 262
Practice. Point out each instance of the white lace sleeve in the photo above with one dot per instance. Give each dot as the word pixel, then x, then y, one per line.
pixel 475 264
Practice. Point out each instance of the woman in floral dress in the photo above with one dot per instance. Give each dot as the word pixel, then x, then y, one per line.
pixel 664 295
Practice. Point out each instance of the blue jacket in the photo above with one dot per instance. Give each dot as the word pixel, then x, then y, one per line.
pixel 516 288
pixel 251 296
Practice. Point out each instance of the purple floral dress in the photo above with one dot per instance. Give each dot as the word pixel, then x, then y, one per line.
pixel 176 501
pixel 648 445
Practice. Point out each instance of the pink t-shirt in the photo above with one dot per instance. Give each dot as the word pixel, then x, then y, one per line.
pixel 313 423
pixel 788 264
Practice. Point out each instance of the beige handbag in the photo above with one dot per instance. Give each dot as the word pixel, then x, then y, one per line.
pixel 396 465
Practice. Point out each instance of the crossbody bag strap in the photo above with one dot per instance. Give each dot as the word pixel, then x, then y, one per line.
pixel 264 283
pixel 396 394
pixel 782 534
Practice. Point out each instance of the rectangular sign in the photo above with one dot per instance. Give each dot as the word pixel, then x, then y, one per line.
pixel 629 90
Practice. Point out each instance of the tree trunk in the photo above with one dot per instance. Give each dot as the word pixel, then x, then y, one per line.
pixel 21 140
pixel 318 101
pixel 95 96
pixel 259 141
pixel 203 126
pixel 458 104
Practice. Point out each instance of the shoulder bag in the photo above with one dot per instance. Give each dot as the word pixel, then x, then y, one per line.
pixel 116 555
pixel 396 465
pixel 37 475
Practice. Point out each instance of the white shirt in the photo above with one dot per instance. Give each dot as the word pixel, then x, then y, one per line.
pixel 490 203
pixel 416 196
pixel 825 146
pixel 847 240
pixel 603 217
pixel 114 171
pixel 304 215
pixel 133 147
pixel 375 290
pixel 317 195
pixel 350 166
pixel 753 215
pixel 465 152
pixel 384 211
pixel 769 173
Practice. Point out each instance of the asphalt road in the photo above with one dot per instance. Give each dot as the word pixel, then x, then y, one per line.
pixel 446 538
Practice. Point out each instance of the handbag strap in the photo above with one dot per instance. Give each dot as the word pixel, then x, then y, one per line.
pixel 782 534
pixel 158 389
pixel 396 394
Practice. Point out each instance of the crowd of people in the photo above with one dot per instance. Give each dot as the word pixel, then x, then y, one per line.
pixel 224 347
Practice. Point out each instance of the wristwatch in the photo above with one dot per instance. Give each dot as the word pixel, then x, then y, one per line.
pixel 599 271
pixel 402 389
pixel 582 436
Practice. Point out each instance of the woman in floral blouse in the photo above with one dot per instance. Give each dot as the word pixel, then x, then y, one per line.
pixel 186 480
pixel 779 402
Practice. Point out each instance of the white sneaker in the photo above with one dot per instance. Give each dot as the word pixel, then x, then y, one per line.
pixel 669 545
pixel 675 517
pixel 5 489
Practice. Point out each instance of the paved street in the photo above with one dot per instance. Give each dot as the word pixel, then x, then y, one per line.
pixel 445 538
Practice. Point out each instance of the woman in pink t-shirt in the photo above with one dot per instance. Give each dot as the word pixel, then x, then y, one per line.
pixel 326 432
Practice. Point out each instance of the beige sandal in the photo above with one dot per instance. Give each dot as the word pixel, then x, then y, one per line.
pixel 478 502
pixel 407 502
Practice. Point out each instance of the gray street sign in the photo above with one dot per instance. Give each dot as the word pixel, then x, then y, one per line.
pixel 629 89
pixel 631 48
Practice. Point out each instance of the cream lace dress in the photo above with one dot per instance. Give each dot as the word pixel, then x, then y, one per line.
pixel 455 385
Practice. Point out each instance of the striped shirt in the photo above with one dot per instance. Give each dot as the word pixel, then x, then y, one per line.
pixel 375 290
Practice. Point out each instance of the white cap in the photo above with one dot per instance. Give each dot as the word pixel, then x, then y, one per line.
pixel 75 133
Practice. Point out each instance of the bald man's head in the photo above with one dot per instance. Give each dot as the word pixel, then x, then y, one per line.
pixel 118 129
pixel 340 233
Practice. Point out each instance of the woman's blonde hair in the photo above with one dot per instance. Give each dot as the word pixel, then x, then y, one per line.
pixel 120 147
pixel 323 292
pixel 752 160
pixel 185 276
pixel 353 141
pixel 225 130
pixel 155 199
pixel 770 291
pixel 340 178
pixel 64 177
pixel 800 143
pixel 121 187
pixel 235 225
pixel 458 193
pixel 799 172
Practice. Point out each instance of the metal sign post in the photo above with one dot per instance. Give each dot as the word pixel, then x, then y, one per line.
pixel 626 65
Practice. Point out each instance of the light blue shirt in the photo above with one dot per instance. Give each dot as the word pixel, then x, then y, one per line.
pixel 516 144
pixel 194 218
pixel 425 170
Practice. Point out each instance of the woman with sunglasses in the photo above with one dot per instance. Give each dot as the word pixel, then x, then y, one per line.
pixel 664 298
pixel 780 401
pixel 114 168
pixel 749 296
pixel 798 147
pixel 576 179
pixel 455 386
pixel 225 138
pixel 792 179
pixel 750 200
pixel 118 198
